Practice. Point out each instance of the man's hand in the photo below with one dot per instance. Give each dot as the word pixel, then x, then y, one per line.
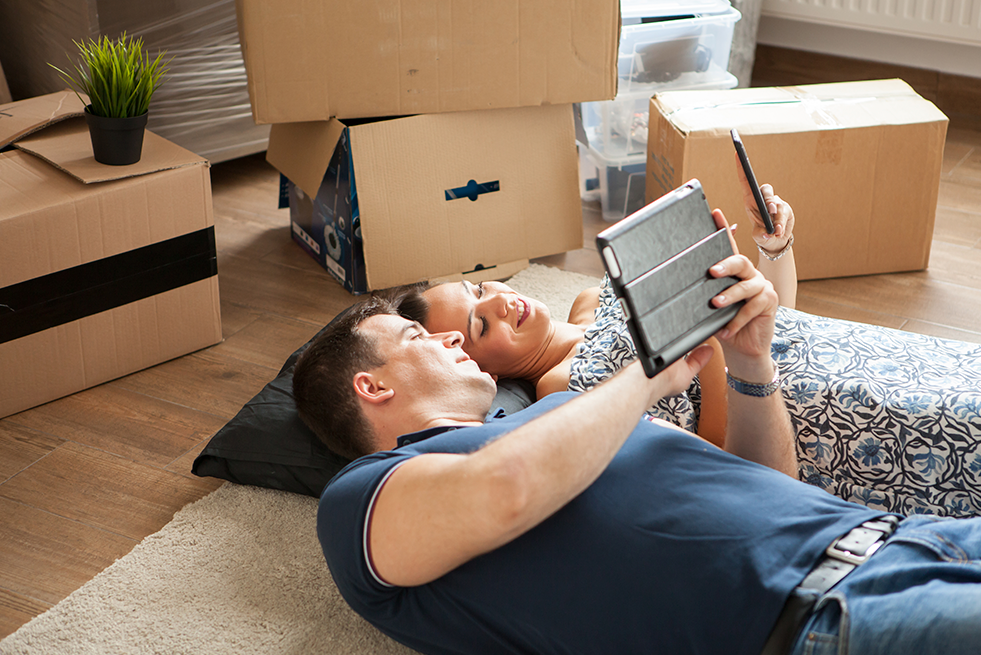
pixel 746 338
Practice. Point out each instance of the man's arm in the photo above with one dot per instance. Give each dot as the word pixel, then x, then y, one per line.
pixel 438 511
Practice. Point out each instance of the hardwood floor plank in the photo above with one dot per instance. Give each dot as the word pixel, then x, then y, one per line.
pixel 16 610
pixel 205 381
pixel 301 295
pixel 912 295
pixel 957 227
pixel 116 420
pixel 821 307
pixel 46 557
pixel 103 491
pixel 267 341
pixel 959 196
pixel 956 263
pixel 20 446
pixel 942 331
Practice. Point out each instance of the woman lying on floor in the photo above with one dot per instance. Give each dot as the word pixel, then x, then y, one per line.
pixel 886 418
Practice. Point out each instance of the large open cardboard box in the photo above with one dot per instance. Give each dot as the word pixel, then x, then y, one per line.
pixel 858 161
pixel 104 270
pixel 395 201
pixel 309 60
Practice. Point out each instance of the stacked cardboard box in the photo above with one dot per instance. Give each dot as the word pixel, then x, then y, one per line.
pixel 103 270
pixel 424 139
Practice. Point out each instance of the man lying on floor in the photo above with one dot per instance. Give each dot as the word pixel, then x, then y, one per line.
pixel 577 526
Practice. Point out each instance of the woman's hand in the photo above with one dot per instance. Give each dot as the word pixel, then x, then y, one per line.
pixel 781 213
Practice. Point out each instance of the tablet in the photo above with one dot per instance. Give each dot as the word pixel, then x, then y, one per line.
pixel 658 260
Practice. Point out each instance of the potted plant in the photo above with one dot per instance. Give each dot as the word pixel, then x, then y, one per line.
pixel 119 79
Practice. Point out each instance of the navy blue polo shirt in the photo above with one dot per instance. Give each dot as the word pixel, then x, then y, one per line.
pixel 677 547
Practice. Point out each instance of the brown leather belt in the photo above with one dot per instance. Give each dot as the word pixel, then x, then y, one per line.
pixel 840 558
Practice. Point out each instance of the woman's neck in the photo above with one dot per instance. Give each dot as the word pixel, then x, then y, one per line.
pixel 560 345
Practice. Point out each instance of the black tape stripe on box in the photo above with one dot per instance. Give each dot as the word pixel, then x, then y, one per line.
pixel 74 293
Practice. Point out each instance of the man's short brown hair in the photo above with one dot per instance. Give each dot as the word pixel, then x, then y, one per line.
pixel 323 377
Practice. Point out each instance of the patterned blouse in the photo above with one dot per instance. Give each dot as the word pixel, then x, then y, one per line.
pixel 884 418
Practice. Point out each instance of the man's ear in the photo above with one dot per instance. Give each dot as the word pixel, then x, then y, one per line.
pixel 371 389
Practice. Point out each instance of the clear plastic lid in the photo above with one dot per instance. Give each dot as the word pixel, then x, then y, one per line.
pixel 631 11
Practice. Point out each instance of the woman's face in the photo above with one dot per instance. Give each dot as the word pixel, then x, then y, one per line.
pixel 503 331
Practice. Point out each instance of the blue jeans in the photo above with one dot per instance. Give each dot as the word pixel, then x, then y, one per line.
pixel 919 594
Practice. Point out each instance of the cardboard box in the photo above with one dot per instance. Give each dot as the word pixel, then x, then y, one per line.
pixel 400 200
pixel 104 270
pixel 858 161
pixel 310 60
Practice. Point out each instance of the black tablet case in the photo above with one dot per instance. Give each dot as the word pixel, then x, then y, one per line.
pixel 658 260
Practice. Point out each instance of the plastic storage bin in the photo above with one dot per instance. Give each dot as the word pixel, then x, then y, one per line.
pixel 620 182
pixel 618 128
pixel 669 45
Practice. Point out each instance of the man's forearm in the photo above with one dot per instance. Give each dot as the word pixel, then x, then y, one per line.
pixel 759 428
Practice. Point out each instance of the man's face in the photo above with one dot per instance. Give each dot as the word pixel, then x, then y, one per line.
pixel 503 330
pixel 432 368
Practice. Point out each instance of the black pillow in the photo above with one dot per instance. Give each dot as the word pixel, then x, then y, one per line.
pixel 267 445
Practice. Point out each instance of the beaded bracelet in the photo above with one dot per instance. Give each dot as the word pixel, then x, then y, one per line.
pixel 780 254
pixel 752 388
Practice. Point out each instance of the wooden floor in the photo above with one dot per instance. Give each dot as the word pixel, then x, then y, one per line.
pixel 85 478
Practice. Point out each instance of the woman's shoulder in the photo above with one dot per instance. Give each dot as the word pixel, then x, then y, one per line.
pixel 584 307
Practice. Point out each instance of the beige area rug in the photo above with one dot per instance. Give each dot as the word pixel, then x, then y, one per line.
pixel 238 572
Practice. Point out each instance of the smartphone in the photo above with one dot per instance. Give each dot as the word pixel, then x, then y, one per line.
pixel 658 260
pixel 748 169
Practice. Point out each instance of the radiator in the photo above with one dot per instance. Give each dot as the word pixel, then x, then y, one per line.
pixel 952 21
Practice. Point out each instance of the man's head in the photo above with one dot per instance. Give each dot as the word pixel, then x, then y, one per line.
pixel 374 375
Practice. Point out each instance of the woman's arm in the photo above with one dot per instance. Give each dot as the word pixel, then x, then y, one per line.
pixel 776 256
pixel 712 417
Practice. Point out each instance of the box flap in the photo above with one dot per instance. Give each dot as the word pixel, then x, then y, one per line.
pixel 18 119
pixel 774 110
pixel 302 151
pixel 68 147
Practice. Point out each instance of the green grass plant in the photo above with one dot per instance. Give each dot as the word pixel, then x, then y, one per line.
pixel 117 75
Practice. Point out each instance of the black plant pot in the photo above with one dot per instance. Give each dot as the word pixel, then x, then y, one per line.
pixel 116 141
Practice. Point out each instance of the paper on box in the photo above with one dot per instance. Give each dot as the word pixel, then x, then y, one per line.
pixel 309 60
pixel 103 270
pixel 858 161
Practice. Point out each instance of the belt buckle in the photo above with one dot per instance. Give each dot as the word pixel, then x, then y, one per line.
pixel 836 551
